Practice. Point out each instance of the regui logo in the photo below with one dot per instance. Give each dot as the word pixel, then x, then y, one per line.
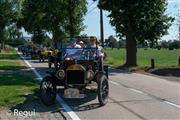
pixel 24 113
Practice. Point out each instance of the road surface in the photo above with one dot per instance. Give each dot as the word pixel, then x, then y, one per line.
pixel 132 96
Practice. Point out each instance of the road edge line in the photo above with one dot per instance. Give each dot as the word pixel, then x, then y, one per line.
pixel 58 98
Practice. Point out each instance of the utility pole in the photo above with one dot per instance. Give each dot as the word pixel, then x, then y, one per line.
pixel 101 27
pixel 101 24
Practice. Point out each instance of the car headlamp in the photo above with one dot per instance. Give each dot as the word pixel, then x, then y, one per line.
pixel 60 74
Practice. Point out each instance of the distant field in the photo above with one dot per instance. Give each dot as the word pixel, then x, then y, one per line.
pixel 163 57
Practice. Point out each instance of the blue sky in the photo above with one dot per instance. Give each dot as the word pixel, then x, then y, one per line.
pixel 92 20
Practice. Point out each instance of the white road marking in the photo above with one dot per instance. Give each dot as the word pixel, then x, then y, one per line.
pixel 141 92
pixel 173 104
pixel 58 98
pixel 135 90
pixel 115 83
pixel 67 108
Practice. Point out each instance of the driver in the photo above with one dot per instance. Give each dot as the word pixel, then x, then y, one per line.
pixel 73 51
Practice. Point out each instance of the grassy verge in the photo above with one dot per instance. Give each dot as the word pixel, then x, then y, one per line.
pixel 10 65
pixel 9 55
pixel 13 87
pixel 163 57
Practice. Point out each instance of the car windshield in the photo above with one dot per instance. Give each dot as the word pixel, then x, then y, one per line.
pixel 79 49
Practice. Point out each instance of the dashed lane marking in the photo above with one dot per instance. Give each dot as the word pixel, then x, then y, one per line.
pixel 115 83
pixel 141 92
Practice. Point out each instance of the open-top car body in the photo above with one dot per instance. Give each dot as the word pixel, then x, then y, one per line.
pixel 76 73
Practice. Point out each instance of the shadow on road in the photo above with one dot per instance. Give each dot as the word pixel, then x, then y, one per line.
pixel 113 71
pixel 173 72
pixel 88 103
pixel 33 103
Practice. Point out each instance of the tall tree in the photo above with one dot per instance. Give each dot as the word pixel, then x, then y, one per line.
pixel 6 17
pixel 32 16
pixel 55 16
pixel 137 20
pixel 76 10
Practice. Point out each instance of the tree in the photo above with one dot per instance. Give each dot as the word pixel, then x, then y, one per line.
pixel 6 17
pixel 38 37
pixel 32 19
pixel 15 35
pixel 165 44
pixel 75 16
pixel 174 44
pixel 137 20
pixel 55 16
pixel 111 42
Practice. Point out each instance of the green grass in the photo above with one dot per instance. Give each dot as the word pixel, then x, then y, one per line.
pixel 163 57
pixel 12 54
pixel 10 65
pixel 15 84
pixel 7 60
pixel 13 87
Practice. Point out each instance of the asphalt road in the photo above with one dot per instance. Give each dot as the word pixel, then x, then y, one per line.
pixel 132 96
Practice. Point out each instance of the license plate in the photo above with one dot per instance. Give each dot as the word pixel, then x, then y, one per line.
pixel 72 93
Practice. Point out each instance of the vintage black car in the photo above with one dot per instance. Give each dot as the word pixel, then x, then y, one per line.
pixel 75 75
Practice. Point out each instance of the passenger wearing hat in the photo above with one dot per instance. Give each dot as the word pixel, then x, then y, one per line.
pixel 81 43
pixel 73 51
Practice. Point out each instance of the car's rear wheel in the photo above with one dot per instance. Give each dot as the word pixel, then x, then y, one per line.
pixel 47 91
pixel 103 89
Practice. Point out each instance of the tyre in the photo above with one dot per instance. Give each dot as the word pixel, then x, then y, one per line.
pixel 103 89
pixel 47 91
pixel 49 64
pixel 43 58
pixel 40 58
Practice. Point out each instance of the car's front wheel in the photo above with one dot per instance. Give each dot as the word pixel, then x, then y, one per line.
pixel 47 91
pixel 103 89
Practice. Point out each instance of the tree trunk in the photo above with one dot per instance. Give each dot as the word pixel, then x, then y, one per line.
pixel 131 51
pixel 2 44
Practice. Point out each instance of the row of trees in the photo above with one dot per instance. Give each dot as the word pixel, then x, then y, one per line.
pixel 39 17
pixel 135 20
pixel 9 14
pixel 175 44
pixel 112 42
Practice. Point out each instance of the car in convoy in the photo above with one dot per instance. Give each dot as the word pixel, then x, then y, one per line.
pixel 75 74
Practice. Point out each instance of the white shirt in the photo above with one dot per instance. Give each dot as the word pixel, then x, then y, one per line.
pixel 100 52
pixel 74 50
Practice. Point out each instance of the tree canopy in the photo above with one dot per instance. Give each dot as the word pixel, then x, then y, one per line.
pixel 8 13
pixel 58 17
pixel 137 20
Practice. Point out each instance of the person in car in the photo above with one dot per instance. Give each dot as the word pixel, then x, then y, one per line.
pixel 81 43
pixel 94 44
pixel 73 51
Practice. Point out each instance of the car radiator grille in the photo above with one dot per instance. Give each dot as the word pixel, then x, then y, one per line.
pixel 75 77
